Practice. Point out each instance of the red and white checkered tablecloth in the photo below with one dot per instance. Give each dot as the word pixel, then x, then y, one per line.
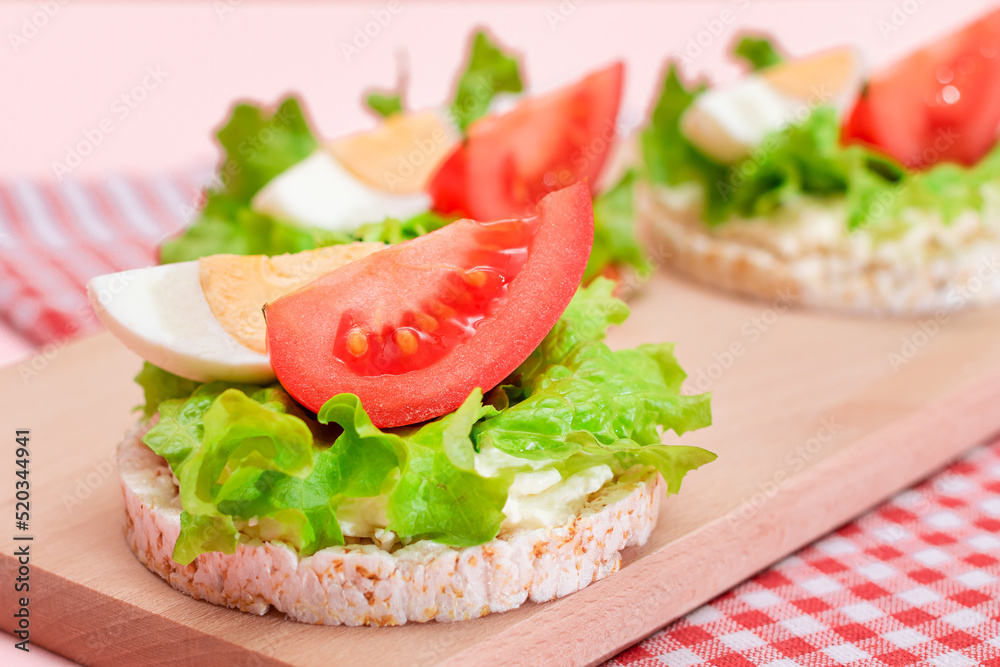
pixel 54 237
pixel 913 582
pixel 916 581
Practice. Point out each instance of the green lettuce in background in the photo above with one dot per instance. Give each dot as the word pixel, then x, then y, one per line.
pixel 758 52
pixel 258 145
pixel 804 159
pixel 488 71
pixel 615 240
pixel 227 224
pixel 385 104
pixel 243 452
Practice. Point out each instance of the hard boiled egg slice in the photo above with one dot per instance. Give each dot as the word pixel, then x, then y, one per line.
pixel 727 122
pixel 365 177
pixel 202 320
pixel 321 192
pixel 161 314
pixel 236 287
pixel 402 153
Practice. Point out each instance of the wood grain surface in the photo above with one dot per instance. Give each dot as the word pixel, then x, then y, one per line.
pixel 815 421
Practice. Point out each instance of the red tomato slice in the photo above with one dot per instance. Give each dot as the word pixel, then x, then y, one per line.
pixel 508 162
pixel 413 329
pixel 941 103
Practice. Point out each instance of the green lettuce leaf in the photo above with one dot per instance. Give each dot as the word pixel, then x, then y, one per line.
pixel 669 157
pixel 807 160
pixel 231 227
pixel 253 465
pixel 758 52
pixel 158 385
pixel 245 453
pixel 243 231
pixel 394 231
pixel 302 509
pixel 586 319
pixel 218 431
pixel 258 145
pixel 489 71
pixel 577 393
pixel 384 104
pixel 439 500
pixel 614 230
pixel 802 159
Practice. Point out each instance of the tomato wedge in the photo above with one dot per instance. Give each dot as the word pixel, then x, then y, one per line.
pixel 413 329
pixel 941 103
pixel 508 162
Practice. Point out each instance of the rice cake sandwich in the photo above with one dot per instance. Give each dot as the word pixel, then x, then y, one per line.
pixel 433 430
pixel 806 181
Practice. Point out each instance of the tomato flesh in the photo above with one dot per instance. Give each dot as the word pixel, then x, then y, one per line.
pixel 413 329
pixel 941 103
pixel 508 162
pixel 371 344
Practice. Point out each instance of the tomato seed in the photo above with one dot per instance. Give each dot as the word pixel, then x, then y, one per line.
pixel 357 342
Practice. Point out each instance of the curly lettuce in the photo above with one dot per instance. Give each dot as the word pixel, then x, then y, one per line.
pixel 252 464
pixel 758 52
pixel 257 146
pixel 803 159
pixel 384 104
pixel 615 240
pixel 488 71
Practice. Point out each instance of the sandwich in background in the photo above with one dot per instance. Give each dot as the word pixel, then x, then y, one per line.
pixel 810 182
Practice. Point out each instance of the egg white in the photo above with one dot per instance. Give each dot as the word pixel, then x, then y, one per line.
pixel 319 191
pixel 161 314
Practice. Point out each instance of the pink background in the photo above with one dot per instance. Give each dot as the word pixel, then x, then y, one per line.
pixel 65 77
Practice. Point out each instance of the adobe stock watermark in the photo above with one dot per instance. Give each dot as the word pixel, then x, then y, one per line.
pixel 595 149
pixel 83 318
pixel 883 201
pixel 223 8
pixel 424 149
pixel 711 30
pixel 795 461
pixel 745 169
pixel 248 149
pixel 121 108
pixel 752 331
pixel 559 13
pixel 364 34
pixel 87 484
pixel 987 273
pixel 32 24
pixel 900 15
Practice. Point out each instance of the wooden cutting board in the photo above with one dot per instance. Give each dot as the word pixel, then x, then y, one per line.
pixel 816 421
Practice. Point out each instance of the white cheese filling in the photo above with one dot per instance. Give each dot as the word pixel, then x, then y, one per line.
pixel 809 226
pixel 913 263
pixel 539 496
